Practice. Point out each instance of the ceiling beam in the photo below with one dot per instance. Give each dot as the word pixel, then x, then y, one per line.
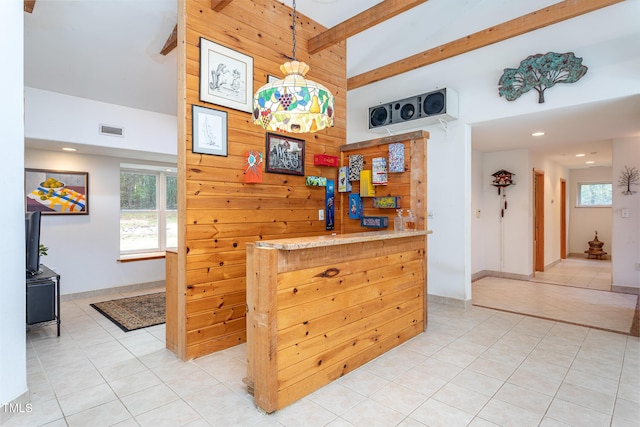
pixel 29 5
pixel 171 43
pixel 218 5
pixel 530 22
pixel 362 21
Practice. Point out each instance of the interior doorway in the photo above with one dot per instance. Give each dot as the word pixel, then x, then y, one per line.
pixel 538 221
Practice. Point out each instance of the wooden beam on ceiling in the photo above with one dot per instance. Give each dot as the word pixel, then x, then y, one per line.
pixel 171 43
pixel 362 21
pixel 218 5
pixel 533 21
pixel 29 5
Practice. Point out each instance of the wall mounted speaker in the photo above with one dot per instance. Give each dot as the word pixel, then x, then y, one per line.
pixel 415 111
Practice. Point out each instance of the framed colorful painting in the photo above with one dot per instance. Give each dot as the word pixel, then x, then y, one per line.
pixel 284 154
pixel 54 192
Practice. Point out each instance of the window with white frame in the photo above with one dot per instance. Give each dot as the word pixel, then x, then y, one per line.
pixel 148 209
pixel 595 194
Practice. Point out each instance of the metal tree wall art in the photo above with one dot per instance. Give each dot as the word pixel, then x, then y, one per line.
pixel 629 177
pixel 540 72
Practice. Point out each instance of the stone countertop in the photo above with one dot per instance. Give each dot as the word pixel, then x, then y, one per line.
pixel 336 239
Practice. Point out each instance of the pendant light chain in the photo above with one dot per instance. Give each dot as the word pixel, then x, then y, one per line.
pixel 293 27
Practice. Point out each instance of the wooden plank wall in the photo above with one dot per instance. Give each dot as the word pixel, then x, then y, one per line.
pixel 410 185
pixel 218 213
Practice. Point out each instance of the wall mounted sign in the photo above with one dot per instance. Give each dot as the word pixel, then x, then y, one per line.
pixel 540 72
pixel 226 76
pixel 330 204
pixel 285 154
pixel 356 164
pixel 253 167
pixel 379 171
pixel 386 202
pixel 55 192
pixel 355 206
pixel 325 160
pixel 366 185
pixel 344 185
pixel 316 181
pixel 374 221
pixel 396 158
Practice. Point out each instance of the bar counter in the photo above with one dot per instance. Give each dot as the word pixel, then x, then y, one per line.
pixel 319 307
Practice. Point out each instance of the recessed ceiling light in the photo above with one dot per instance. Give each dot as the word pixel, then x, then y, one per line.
pixel 580 155
pixel 590 162
pixel 69 149
pixel 537 134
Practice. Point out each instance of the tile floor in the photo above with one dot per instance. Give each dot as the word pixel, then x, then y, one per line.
pixel 474 366
pixel 578 272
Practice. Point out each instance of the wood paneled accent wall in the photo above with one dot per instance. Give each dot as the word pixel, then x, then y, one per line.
pixel 218 213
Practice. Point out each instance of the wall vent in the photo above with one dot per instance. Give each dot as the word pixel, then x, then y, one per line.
pixel 111 130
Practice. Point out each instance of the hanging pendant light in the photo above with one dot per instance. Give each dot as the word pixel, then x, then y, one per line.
pixel 293 104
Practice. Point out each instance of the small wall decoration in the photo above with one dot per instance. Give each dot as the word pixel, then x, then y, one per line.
pixel 226 76
pixel 316 181
pixel 355 206
pixel 379 171
pixel 540 72
pixel 325 160
pixel 209 131
pixel 285 154
pixel 374 221
pixel 386 202
pixel 56 192
pixel 330 204
pixel 253 167
pixel 396 158
pixel 356 164
pixel 502 179
pixel 344 185
pixel 629 177
pixel 366 186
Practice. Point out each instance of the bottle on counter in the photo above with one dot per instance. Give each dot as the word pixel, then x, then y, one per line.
pixel 398 221
pixel 409 221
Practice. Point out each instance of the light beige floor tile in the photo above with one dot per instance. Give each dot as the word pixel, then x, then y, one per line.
pixel 479 383
pixel 506 414
pixel 596 400
pixel 103 415
pixel 461 398
pixel 148 399
pixel 524 398
pixel 176 413
pixel 626 409
pixel 434 413
pixel 86 399
pixel 363 381
pixel 337 398
pixel 397 397
pixel 302 412
pixel 577 415
pixel 491 368
pixel 134 383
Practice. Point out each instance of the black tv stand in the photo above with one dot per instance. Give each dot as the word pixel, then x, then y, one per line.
pixel 43 298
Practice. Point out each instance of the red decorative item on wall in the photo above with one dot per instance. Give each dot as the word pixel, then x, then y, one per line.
pixel 325 160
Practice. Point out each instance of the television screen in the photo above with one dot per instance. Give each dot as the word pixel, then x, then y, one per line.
pixel 32 241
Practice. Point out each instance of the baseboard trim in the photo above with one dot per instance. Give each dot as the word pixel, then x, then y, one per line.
pixel 502 274
pixel 16 406
pixel 548 266
pixel 450 301
pixel 114 290
pixel 625 289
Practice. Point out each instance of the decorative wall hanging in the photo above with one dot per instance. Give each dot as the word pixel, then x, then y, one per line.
pixel 253 167
pixel 316 181
pixel 344 185
pixel 55 192
pixel 209 131
pixel 325 160
pixel 629 177
pixel 356 164
pixel 386 202
pixel 502 179
pixel 330 199
pixel 226 76
pixel 379 171
pixel 355 206
pixel 293 104
pixel 366 186
pixel 396 157
pixel 540 72
pixel 374 221
pixel 285 155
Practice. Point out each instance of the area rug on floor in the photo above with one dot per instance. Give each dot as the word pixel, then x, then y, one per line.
pixel 134 312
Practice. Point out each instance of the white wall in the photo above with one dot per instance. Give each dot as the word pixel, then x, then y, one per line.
pixel 13 370
pixel 584 222
pixel 626 231
pixel 475 75
pixel 84 248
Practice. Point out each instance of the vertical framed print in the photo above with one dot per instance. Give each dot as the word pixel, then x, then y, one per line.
pixel 209 131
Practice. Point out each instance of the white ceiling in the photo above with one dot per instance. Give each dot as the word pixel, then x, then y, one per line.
pixel 108 50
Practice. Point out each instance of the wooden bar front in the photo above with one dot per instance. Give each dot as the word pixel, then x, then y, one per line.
pixel 320 307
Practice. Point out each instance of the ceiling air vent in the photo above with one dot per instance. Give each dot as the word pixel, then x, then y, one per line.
pixel 111 130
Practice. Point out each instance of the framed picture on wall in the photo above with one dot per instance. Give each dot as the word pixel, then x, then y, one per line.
pixel 284 154
pixel 209 131
pixel 226 76
pixel 54 192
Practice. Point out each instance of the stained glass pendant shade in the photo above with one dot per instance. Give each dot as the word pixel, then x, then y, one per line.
pixel 293 104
